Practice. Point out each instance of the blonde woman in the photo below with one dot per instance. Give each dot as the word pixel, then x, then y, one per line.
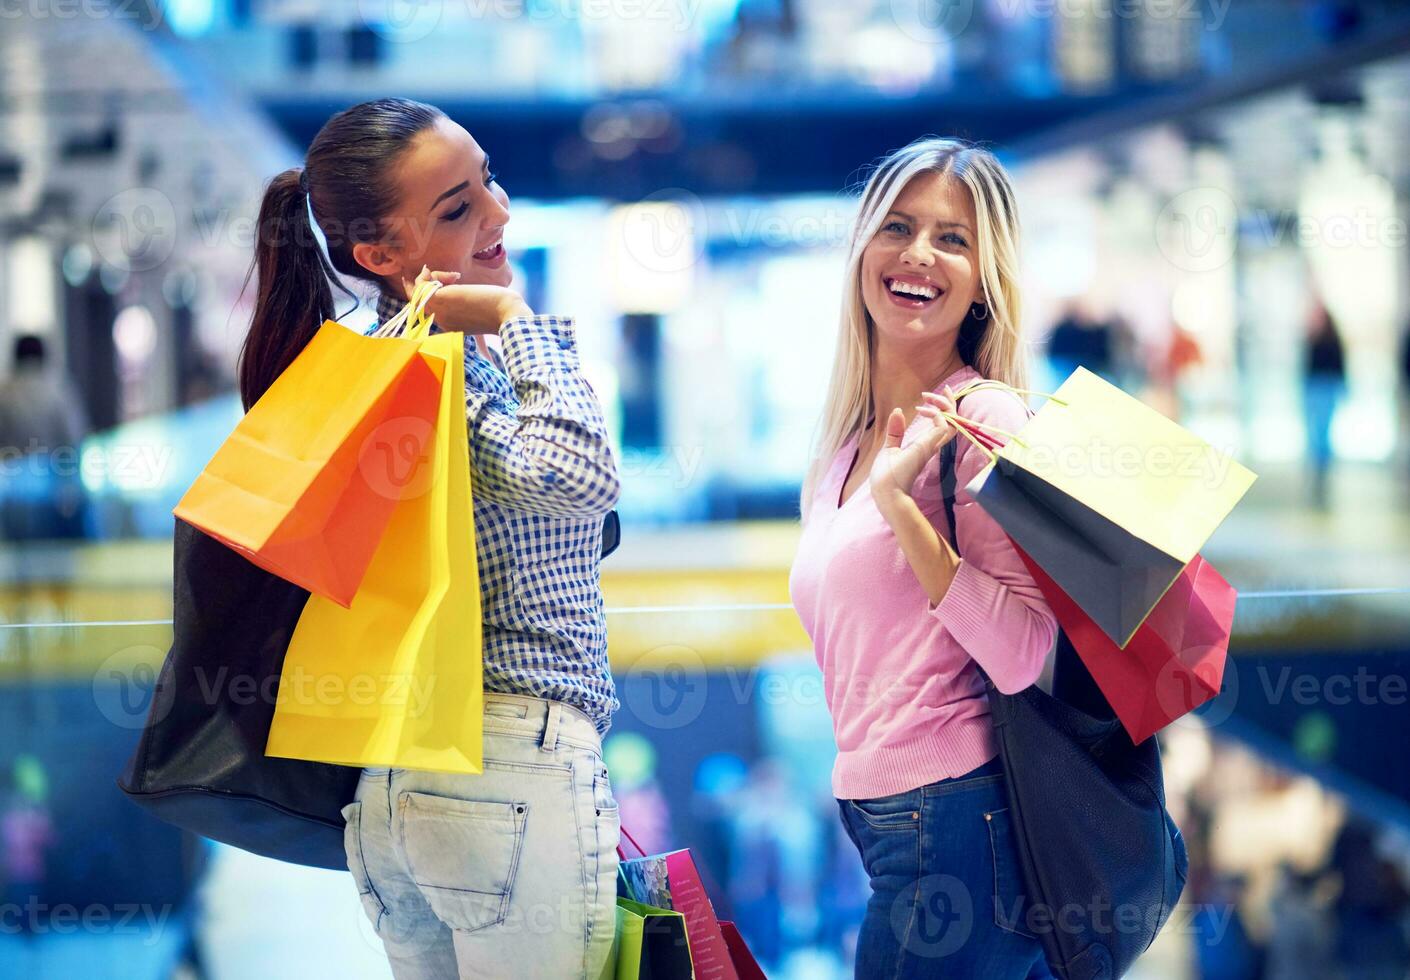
pixel 898 620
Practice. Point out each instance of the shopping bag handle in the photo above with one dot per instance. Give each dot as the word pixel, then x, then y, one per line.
pixel 627 834
pixel 414 313
pixel 967 426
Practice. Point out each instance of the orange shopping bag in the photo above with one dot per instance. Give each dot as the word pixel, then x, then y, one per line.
pixel 305 485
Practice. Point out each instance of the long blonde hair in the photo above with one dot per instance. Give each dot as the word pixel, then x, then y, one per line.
pixel 993 346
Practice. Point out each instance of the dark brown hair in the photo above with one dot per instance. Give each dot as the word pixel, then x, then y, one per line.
pixel 347 181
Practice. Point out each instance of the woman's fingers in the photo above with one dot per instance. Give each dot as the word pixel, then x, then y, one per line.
pixel 895 429
pixel 427 275
pixel 940 401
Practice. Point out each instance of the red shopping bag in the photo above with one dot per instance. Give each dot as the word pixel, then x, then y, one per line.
pixel 744 963
pixel 1172 664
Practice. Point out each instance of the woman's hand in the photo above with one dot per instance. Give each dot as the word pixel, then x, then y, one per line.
pixel 895 469
pixel 470 309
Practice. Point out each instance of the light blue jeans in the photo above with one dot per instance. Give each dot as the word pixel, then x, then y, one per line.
pixel 512 872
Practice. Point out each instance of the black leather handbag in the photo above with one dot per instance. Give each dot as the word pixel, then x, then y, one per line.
pixel 200 762
pixel 1103 864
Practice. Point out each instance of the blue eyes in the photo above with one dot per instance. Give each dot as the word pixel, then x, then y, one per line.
pixel 949 236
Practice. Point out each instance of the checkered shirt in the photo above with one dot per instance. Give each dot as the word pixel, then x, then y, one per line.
pixel 543 478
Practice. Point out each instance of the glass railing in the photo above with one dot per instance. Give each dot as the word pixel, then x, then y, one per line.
pixel 723 743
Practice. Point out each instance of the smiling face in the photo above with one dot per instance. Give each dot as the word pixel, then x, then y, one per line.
pixel 920 272
pixel 450 213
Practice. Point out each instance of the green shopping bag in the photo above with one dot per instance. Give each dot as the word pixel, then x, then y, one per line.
pixel 650 944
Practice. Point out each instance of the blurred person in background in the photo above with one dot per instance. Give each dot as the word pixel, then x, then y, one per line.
pixel 1171 369
pixel 773 878
pixel 42 422
pixel 1078 340
pixel 403 193
pixel 1299 947
pixel 1370 907
pixel 1324 383
pixel 899 621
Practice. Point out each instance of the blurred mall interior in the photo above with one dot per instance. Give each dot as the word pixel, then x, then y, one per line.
pixel 1209 191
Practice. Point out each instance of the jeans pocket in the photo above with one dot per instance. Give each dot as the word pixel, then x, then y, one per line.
pixel 602 798
pixel 357 864
pixel 1011 905
pixel 890 813
pixel 462 855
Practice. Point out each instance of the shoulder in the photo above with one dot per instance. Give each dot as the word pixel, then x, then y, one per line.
pixel 995 406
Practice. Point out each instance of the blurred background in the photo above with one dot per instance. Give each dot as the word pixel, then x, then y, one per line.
pixel 1214 197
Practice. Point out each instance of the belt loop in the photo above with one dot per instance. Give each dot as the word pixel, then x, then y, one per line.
pixel 550 727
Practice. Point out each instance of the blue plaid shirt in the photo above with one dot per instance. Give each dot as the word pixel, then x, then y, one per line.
pixel 543 478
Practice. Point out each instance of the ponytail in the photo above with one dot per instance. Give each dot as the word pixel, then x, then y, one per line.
pixel 293 298
pixel 346 185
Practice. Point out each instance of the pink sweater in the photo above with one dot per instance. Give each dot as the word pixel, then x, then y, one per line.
pixel 908 707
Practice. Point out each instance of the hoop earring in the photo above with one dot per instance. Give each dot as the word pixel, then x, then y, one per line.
pixel 983 313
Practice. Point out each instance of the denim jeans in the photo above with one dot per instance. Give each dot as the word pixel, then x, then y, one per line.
pixel 511 872
pixel 946 893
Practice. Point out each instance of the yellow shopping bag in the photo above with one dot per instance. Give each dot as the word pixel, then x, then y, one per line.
pixel 395 678
pixel 1109 497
